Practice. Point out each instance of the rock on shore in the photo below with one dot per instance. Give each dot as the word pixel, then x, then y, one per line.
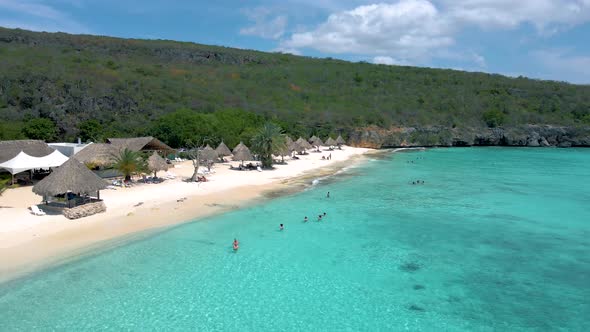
pixel 530 135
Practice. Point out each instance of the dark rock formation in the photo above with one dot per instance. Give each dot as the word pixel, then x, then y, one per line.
pixel 530 136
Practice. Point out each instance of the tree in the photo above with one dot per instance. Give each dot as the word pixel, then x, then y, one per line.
pixel 129 163
pixel 91 130
pixel 40 128
pixel 493 118
pixel 268 141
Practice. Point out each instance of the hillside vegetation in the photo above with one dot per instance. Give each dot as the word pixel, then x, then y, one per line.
pixel 97 87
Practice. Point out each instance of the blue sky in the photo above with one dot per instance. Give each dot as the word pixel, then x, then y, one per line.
pixel 548 39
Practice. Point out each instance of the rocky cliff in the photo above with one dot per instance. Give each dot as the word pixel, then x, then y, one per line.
pixel 530 135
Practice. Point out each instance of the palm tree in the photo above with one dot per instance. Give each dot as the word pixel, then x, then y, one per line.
pixel 268 141
pixel 129 162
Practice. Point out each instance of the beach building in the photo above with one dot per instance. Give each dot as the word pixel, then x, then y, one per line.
pixel 73 190
pixel 34 148
pixel 28 155
pixel 102 155
pixel 68 149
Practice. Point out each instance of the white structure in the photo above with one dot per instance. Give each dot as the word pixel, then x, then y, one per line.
pixel 23 162
pixel 68 149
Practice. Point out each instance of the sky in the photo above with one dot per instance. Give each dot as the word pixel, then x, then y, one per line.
pixel 545 39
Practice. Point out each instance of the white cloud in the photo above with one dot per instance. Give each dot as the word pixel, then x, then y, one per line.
pixel 387 60
pixel 561 64
pixel 263 26
pixel 38 16
pixel 415 31
pixel 548 16
pixel 405 30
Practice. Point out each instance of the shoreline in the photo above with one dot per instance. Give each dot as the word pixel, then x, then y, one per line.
pixel 58 241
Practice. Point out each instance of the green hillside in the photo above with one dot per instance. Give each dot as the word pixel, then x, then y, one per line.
pixel 98 87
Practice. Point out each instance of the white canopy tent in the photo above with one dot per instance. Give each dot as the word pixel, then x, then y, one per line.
pixel 24 162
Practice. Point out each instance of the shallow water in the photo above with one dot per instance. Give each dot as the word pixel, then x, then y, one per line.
pixel 496 239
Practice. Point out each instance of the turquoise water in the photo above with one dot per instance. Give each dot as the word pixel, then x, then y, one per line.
pixel 496 239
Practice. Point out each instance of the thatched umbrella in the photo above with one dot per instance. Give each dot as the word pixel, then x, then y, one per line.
pixel 288 140
pixel 330 142
pixel 243 154
pixel 294 146
pixel 71 176
pixel 207 153
pixel 317 142
pixel 157 163
pixel 312 139
pixel 340 140
pixel 303 143
pixel 223 150
pixel 238 147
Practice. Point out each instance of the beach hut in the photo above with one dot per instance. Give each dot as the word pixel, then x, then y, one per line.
pixel 340 141
pixel 157 163
pixel 208 154
pixel 303 143
pixel 97 155
pixel 238 147
pixel 330 142
pixel 288 140
pixel 243 154
pixel 147 143
pixel 223 150
pixel 71 177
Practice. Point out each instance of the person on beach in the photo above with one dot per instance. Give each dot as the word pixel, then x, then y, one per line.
pixel 282 227
pixel 330 157
pixel 305 219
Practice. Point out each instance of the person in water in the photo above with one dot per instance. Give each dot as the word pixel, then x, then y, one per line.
pixel 282 227
pixel 305 219
pixel 236 244
pixel 324 214
pixel 328 195
pixel 320 217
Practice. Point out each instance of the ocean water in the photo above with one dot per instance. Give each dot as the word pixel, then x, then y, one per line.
pixel 496 239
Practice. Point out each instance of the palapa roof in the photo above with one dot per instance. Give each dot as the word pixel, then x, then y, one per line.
pixel 238 147
pixel 340 140
pixel 243 154
pixel 223 150
pixel 288 140
pixel 100 154
pixel 294 146
pixel 303 143
pixel 330 141
pixel 157 163
pixel 317 142
pixel 207 153
pixel 34 148
pixel 147 143
pixel 70 176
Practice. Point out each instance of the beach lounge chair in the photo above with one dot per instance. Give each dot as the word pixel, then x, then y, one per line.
pixel 37 211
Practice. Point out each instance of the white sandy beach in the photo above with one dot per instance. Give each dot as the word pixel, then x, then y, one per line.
pixel 28 241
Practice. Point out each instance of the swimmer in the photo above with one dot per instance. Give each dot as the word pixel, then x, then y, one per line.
pixel 305 219
pixel 320 217
pixel 324 214
pixel 328 195
pixel 236 245
pixel 281 227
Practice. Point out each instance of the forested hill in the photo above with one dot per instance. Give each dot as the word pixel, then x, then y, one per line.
pixel 94 87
